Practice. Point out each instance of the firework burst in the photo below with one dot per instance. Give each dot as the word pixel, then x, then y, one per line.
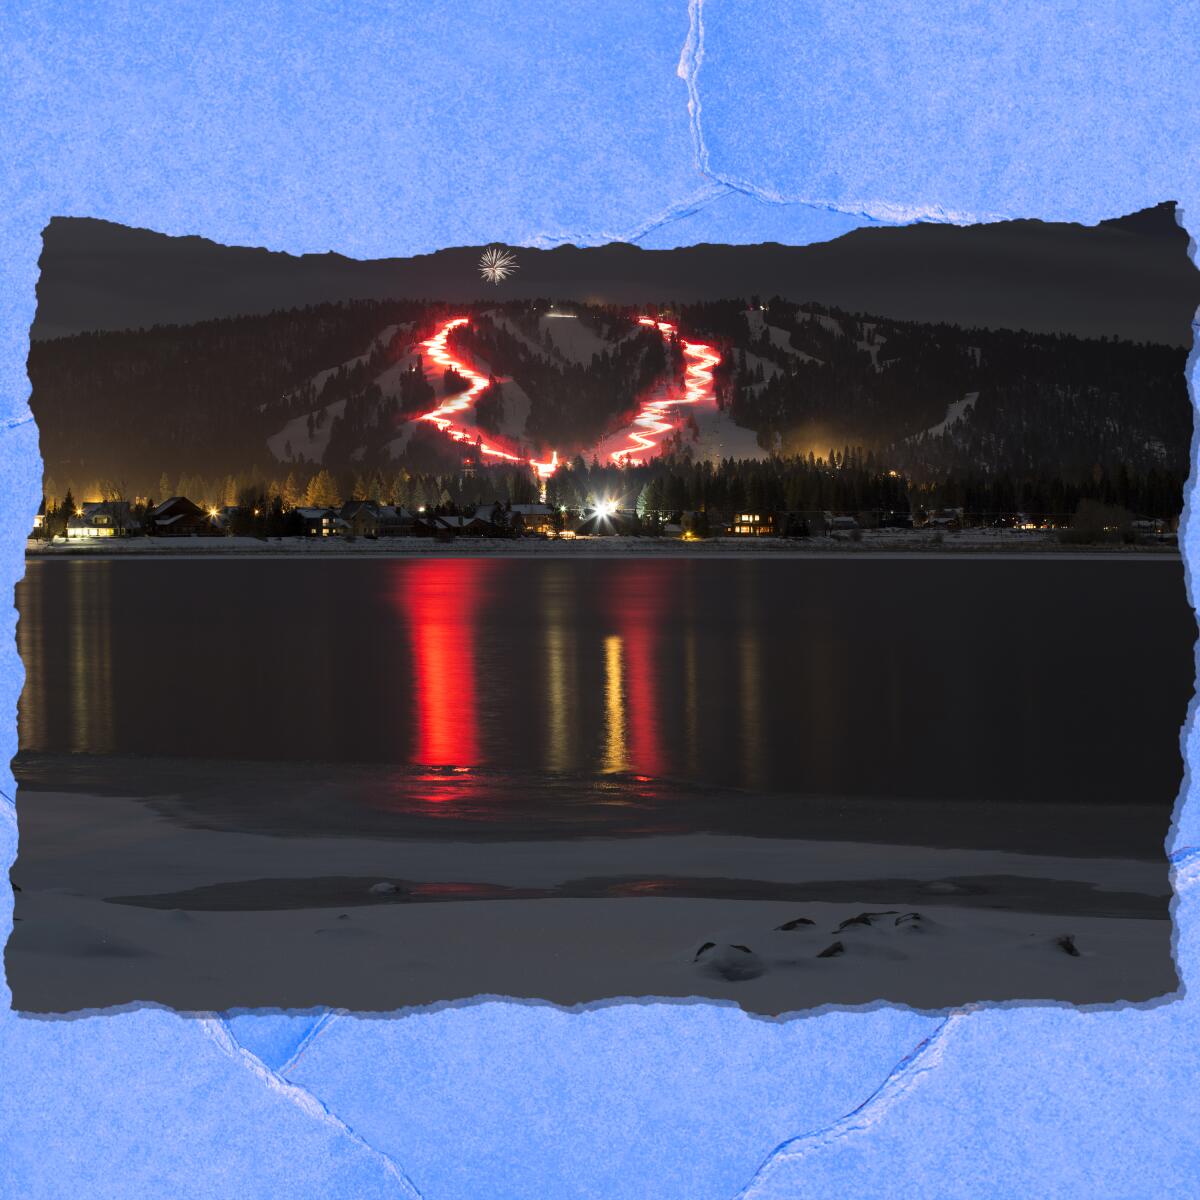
pixel 496 264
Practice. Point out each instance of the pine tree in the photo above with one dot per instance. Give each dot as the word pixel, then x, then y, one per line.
pixel 291 493
pixel 323 491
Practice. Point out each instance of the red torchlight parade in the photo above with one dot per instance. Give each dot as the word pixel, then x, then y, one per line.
pixel 651 422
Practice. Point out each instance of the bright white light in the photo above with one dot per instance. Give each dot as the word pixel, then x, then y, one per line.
pixel 496 264
pixel 606 508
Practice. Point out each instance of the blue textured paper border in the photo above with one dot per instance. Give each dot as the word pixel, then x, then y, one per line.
pixel 381 129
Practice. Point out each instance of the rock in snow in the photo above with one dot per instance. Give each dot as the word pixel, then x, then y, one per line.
pixel 794 924
pixel 864 918
pixel 733 963
pixel 1066 943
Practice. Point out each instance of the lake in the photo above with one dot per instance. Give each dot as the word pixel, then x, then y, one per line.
pixel 972 705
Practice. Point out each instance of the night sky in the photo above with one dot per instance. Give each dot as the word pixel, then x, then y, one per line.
pixel 1131 277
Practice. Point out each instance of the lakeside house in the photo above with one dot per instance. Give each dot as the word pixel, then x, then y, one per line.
pixel 452 524
pixel 945 518
pixel 322 522
pixel 179 517
pixel 370 519
pixel 102 519
pixel 531 518
pixel 753 524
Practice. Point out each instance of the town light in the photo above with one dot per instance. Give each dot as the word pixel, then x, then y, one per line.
pixel 606 508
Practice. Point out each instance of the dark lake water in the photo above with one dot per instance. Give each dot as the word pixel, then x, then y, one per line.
pixel 859 697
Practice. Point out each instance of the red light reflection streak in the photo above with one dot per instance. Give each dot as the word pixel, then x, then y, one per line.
pixel 439 600
pixel 641 601
pixel 443 415
pixel 701 359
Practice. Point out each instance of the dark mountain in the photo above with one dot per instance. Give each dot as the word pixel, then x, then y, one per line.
pixel 1129 277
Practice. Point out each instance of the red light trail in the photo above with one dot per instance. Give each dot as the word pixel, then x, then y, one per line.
pixel 697 383
pixel 443 415
pixel 651 421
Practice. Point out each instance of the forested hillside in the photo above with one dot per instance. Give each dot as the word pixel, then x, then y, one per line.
pixel 338 385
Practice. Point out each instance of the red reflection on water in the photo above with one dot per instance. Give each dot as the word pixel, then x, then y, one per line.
pixel 640 604
pixel 440 600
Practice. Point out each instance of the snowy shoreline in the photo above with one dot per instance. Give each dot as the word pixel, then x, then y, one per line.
pixel 873 544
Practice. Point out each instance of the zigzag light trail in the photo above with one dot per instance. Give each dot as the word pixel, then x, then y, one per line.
pixel 443 415
pixel 697 388
pixel 651 422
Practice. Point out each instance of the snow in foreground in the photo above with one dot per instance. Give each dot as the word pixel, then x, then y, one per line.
pixel 902 931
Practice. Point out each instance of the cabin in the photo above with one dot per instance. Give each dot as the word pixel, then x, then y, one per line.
pixel 322 522
pixel 102 519
pixel 495 517
pixel 179 517
pixel 465 524
pixel 395 521
pixel 753 524
pixel 361 517
pixel 945 518
pixel 532 519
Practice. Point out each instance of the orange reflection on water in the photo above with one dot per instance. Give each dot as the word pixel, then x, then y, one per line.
pixel 561 680
pixel 90 631
pixel 440 600
pixel 616 758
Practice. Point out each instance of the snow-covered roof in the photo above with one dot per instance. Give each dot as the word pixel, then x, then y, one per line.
pixel 456 521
